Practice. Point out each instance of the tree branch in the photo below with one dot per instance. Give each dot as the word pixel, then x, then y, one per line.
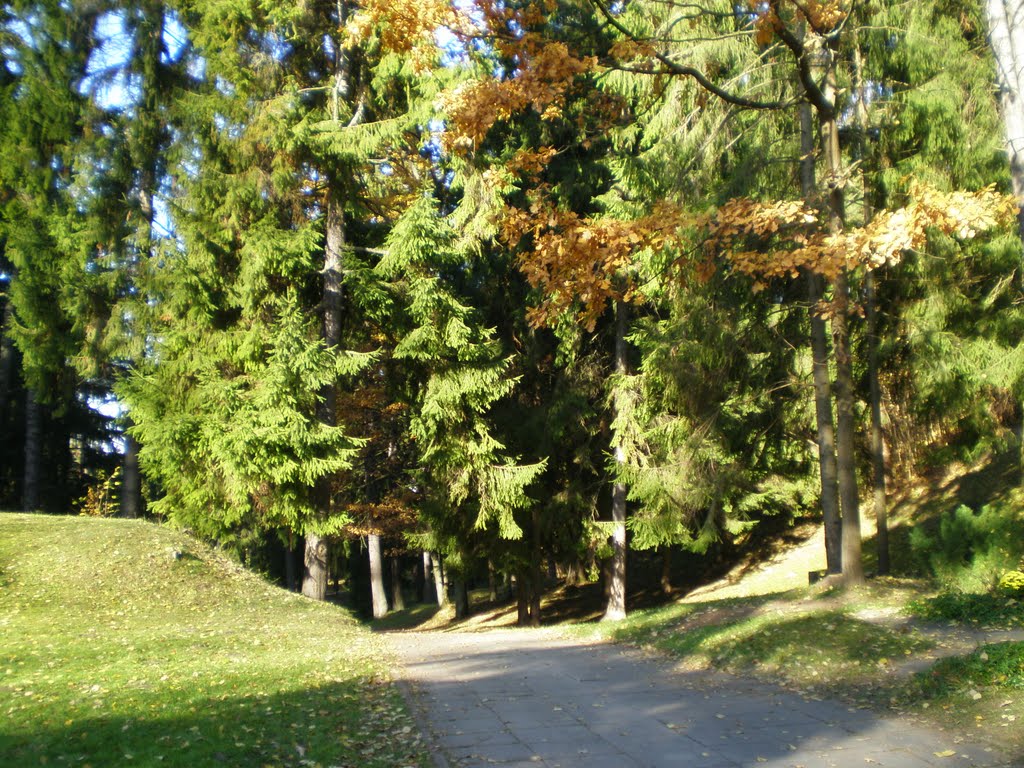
pixel 670 67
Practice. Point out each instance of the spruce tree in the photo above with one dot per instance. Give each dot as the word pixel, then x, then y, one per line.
pixel 470 482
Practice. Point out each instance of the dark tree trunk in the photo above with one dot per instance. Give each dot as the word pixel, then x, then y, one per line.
pixel 289 564
pixel 419 587
pixel 429 592
pixel 6 364
pixel 874 385
pixel 853 569
pixel 522 599
pixel 492 582
pixel 460 596
pixel 333 271
pixel 877 436
pixel 397 598
pixel 536 579
pixel 616 586
pixel 131 485
pixel 666 569
pixel 378 594
pixel 30 490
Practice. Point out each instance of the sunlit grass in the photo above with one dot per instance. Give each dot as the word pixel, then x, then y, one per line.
pixel 122 643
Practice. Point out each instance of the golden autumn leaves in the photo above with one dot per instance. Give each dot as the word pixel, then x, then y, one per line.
pixel 778 239
pixel 581 263
pixel 822 18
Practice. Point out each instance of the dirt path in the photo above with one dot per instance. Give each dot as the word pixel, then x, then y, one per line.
pixel 531 698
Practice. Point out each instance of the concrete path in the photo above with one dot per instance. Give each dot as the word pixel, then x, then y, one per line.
pixel 529 698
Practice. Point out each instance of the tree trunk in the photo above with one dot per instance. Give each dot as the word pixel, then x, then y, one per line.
pixel 429 591
pixel 289 563
pixel 666 569
pixel 131 485
pixel 877 436
pixel 6 364
pixel 536 579
pixel 30 499
pixel 853 569
pixel 826 435
pixel 522 599
pixel 616 608
pixel 874 385
pixel 1006 38
pixel 397 598
pixel 460 596
pixel 377 591
pixel 333 271
pixel 439 590
pixel 314 578
pixel 492 582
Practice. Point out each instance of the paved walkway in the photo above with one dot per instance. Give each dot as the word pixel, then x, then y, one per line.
pixel 529 698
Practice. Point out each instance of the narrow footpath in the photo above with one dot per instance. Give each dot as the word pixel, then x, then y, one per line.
pixel 530 698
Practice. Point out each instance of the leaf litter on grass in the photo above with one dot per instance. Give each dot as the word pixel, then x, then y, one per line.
pixel 110 646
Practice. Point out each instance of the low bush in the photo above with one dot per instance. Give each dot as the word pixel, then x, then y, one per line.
pixel 971 551
pixel 992 610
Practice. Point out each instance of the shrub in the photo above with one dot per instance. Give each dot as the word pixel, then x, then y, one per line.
pixel 971 551
pixel 982 610
pixel 1012 583
pixel 102 498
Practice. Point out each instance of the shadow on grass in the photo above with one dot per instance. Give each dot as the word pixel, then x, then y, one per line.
pixel 326 725
pixel 409 618
pixel 743 637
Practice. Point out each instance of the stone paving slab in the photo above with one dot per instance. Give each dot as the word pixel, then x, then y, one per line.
pixel 530 698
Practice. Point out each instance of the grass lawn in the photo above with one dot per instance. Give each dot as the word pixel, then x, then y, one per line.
pixel 124 643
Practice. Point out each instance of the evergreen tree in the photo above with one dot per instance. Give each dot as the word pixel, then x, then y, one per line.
pixel 46 52
pixel 470 483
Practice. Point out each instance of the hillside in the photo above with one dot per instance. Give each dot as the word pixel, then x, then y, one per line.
pixel 125 643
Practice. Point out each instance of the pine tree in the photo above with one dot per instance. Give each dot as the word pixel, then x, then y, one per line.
pixel 226 407
pixel 45 66
pixel 470 483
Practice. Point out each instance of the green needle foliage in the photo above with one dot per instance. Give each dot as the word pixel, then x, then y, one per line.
pixel 463 463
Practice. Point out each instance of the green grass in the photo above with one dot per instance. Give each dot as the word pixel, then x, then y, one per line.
pixel 113 651
pixel 813 646
pixel 982 692
pixel 982 610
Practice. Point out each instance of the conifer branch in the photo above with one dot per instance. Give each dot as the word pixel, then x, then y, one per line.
pixel 670 67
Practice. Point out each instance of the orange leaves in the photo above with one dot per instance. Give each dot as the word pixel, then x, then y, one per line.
pixel 404 26
pixel 821 17
pixel 545 75
pixel 778 239
pixel 582 263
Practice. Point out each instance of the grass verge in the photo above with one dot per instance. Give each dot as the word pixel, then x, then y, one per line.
pixel 123 643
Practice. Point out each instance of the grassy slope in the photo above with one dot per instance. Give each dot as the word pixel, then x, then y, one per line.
pixel 115 652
